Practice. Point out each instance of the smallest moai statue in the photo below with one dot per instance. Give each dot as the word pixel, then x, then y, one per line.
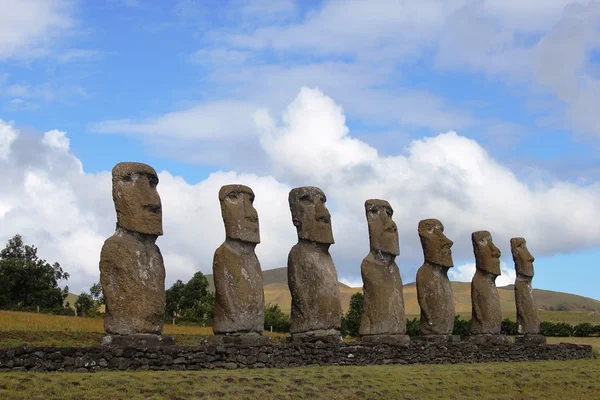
pixel 486 320
pixel 527 315
pixel 383 318
pixel 239 295
pixel 132 272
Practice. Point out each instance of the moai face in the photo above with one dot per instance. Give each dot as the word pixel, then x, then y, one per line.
pixel 487 255
pixel 383 233
pixel 310 215
pixel 522 257
pixel 436 246
pixel 239 215
pixel 136 200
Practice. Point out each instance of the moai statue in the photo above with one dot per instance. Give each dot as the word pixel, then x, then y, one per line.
pixel 383 318
pixel 486 318
pixel 527 315
pixel 239 295
pixel 312 278
pixel 132 272
pixel 434 291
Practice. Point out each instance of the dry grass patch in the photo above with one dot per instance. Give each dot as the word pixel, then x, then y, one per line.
pixel 539 380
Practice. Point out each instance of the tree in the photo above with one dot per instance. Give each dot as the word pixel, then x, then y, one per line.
pixel 27 281
pixel 276 319
pixel 97 293
pixel 85 305
pixel 351 321
pixel 191 302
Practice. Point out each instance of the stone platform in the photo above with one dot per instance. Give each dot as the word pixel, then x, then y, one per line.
pixel 276 355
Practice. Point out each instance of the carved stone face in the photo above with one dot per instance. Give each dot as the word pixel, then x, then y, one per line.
pixel 383 234
pixel 239 215
pixel 436 246
pixel 487 255
pixel 310 215
pixel 522 257
pixel 136 200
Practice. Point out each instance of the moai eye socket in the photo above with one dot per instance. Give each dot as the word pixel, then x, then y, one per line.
pixel 305 198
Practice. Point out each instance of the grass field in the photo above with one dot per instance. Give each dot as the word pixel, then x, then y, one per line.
pixel 540 380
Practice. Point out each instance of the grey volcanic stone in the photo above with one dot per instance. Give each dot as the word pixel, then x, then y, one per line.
pixel 486 313
pixel 132 272
pixel 434 291
pixel 527 314
pixel 239 295
pixel 383 309
pixel 312 277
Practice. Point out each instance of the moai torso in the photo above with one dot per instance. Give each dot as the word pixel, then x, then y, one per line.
pixel 312 277
pixel 486 313
pixel 434 291
pixel 383 307
pixel 133 282
pixel 132 272
pixel 239 293
pixel 527 315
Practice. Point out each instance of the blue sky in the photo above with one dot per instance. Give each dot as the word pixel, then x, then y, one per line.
pixel 206 92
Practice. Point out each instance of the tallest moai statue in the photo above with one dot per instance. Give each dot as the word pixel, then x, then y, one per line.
pixel 312 278
pixel 132 272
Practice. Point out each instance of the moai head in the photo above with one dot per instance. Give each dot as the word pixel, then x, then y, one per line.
pixel 487 255
pixel 383 233
pixel 522 257
pixel 239 215
pixel 436 246
pixel 136 200
pixel 310 215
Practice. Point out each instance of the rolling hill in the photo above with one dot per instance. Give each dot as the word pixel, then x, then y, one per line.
pixel 276 291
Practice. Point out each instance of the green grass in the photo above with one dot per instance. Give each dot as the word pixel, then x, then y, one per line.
pixel 540 380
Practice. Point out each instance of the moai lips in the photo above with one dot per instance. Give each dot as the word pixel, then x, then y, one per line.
pixel 434 291
pixel 383 317
pixel 312 278
pixel 132 272
pixel 239 296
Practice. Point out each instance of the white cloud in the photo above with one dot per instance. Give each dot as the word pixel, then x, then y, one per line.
pixel 7 137
pixel 68 213
pixel 27 28
pixel 465 272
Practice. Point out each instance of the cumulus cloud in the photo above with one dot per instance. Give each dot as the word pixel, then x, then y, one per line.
pixel 465 272
pixel 50 199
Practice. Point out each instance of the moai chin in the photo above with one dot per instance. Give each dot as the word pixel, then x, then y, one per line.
pixel 312 278
pixel 434 291
pixel 239 295
pixel 132 272
pixel 383 318
pixel 527 315
pixel 486 314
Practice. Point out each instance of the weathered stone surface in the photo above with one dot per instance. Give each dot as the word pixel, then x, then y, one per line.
pixel 136 200
pixel 436 339
pixel 486 313
pixel 530 339
pixel 393 340
pixel 132 272
pixel 312 277
pixel 239 295
pixel 383 308
pixel 137 340
pixel 434 291
pixel 493 339
pixel 281 355
pixel 527 314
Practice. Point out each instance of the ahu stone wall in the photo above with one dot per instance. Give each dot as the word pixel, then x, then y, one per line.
pixel 280 355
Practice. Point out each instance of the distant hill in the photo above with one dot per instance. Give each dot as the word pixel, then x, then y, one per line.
pixel 276 291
